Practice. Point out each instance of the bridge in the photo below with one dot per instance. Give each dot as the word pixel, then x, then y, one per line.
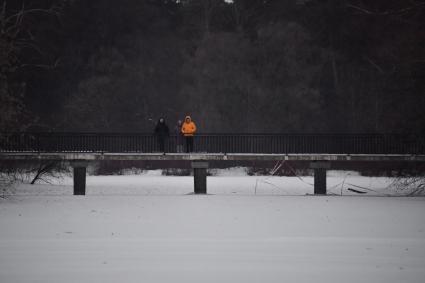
pixel 319 150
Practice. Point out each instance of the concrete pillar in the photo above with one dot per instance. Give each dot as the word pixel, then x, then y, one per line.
pixel 320 181
pixel 200 176
pixel 79 177
pixel 320 176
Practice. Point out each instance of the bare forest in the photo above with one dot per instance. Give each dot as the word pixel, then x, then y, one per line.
pixel 242 66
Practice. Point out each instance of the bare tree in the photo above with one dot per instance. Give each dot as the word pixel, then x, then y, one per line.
pixel 411 185
pixel 14 172
pixel 205 9
pixel 15 38
pixel 44 170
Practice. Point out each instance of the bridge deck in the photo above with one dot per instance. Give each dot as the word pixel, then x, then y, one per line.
pixel 70 156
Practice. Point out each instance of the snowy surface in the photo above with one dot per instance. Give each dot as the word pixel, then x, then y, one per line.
pixel 150 228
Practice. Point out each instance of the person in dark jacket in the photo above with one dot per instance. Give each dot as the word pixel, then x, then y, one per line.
pixel 162 132
pixel 179 136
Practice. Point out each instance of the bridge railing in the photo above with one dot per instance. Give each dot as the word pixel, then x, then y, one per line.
pixel 216 143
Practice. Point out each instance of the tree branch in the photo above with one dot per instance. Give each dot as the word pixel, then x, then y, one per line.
pixel 42 66
pixel 374 65
pixel 21 13
pixel 390 12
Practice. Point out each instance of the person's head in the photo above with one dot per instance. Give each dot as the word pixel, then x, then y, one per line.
pixel 187 119
pixel 179 122
pixel 161 120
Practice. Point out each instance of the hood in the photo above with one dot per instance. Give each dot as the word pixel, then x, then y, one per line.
pixel 188 119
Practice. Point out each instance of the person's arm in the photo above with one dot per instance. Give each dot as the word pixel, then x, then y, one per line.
pixel 194 128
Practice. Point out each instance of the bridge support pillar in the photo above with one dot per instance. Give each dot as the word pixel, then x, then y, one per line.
pixel 79 177
pixel 200 176
pixel 320 168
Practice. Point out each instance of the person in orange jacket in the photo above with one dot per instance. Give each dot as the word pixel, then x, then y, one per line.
pixel 188 130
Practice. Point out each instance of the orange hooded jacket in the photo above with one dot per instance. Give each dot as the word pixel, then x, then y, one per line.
pixel 188 127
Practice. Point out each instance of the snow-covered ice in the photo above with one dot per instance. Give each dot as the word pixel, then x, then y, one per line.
pixel 149 228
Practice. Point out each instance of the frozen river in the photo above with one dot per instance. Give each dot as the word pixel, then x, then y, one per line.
pixel 150 228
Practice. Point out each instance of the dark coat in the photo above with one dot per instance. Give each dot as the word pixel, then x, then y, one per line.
pixel 162 130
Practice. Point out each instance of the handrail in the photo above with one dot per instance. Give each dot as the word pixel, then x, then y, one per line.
pixel 215 143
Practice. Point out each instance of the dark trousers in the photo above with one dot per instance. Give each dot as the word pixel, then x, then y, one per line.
pixel 189 144
pixel 161 143
pixel 179 143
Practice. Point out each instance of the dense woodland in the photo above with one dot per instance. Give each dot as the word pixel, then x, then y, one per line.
pixel 330 66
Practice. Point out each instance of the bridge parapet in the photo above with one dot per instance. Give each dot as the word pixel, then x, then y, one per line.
pixel 216 143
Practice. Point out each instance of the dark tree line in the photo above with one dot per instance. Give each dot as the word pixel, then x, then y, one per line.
pixel 235 66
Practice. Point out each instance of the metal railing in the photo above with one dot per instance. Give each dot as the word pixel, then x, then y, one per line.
pixel 216 143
